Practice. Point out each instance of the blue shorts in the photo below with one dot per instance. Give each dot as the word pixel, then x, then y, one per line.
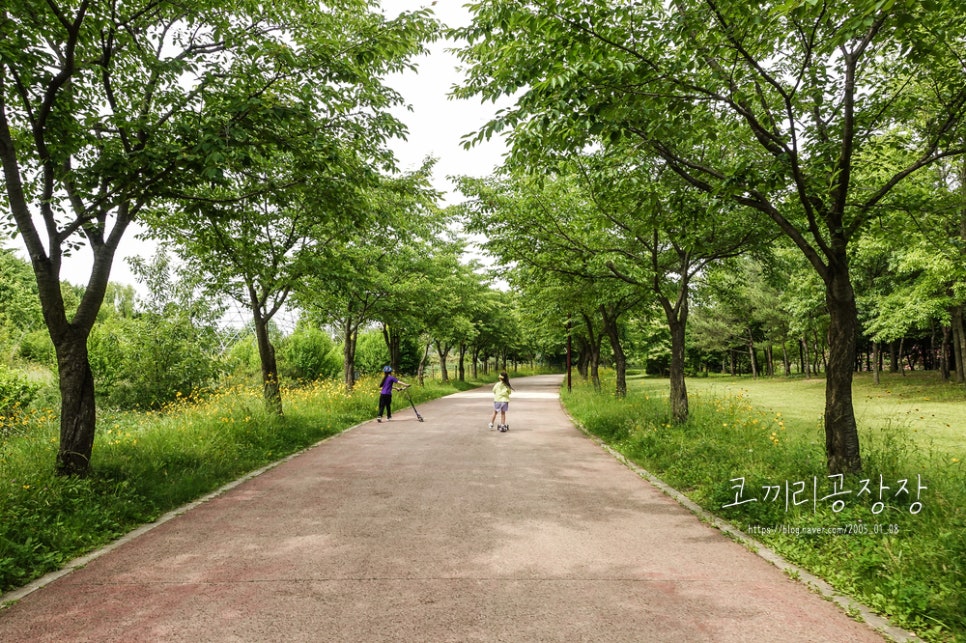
pixel 501 406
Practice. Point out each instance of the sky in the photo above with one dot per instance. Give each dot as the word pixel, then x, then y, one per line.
pixel 437 123
pixel 436 126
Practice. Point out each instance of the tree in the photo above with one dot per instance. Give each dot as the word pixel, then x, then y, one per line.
pixel 420 303
pixel 663 236
pixel 342 294
pixel 801 96
pixel 256 246
pixel 616 216
pixel 454 291
pixel 554 307
pixel 90 94
pixel 344 285
pixel 547 229
pixel 913 264
pixel 741 309
pixel 720 315
pixel 100 106
pixel 484 311
pixel 301 155
pixel 495 327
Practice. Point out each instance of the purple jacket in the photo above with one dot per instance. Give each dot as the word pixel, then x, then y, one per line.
pixel 387 385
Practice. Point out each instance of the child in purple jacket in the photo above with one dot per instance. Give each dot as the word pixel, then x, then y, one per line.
pixel 385 392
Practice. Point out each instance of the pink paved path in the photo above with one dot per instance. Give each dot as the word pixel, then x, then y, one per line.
pixel 435 531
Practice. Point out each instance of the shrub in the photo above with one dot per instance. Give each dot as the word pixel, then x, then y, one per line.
pixel 16 393
pixel 146 362
pixel 36 346
pixel 308 354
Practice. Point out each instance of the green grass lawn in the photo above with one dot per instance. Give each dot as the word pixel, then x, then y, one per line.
pixel 918 405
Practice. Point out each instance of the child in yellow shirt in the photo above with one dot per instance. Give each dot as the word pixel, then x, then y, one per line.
pixel 501 401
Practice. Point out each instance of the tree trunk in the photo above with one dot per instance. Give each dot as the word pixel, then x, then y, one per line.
pixel 78 414
pixel 944 353
pixel 349 357
pixel 393 345
pixel 78 410
pixel 959 343
pixel 751 356
pixel 421 371
pixel 266 354
pixel 583 358
pixel 875 362
pixel 679 390
pixel 442 350
pixel 821 352
pixel 474 362
pixel 593 353
pixel 612 331
pixel 595 370
pixel 803 351
pixel 786 362
pixel 677 319
pixel 461 364
pixel 841 433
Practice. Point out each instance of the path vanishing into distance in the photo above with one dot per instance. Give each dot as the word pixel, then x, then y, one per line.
pixel 441 530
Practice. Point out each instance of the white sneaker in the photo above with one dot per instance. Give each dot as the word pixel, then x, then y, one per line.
pixel 491 425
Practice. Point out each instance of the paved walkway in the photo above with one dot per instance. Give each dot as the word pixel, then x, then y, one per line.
pixel 435 531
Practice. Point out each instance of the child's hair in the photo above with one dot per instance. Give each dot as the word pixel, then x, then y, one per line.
pixel 506 380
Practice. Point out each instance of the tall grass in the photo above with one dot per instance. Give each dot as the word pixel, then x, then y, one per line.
pixel 146 464
pixel 905 560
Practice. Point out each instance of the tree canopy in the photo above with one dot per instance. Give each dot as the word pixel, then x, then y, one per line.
pixel 784 108
pixel 108 107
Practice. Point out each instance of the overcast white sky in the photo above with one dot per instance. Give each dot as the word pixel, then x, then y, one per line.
pixel 436 125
